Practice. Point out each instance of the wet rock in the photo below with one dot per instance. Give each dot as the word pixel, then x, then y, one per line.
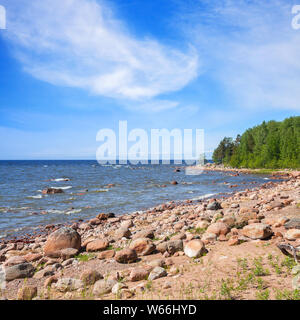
pixel 27 293
pixel 97 245
pixel 142 246
pixel 89 277
pixel 257 231
pixel 62 238
pixel 102 216
pixel 103 286
pixel 19 271
pixel 157 273
pixel 173 182
pixel 126 256
pixel 52 191
pixel 94 222
pixel 194 248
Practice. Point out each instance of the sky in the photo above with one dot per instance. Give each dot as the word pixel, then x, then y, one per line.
pixel 69 68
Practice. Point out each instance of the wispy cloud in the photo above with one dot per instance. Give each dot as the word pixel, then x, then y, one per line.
pixel 250 48
pixel 80 43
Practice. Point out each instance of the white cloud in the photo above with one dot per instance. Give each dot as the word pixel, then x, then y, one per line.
pixel 79 43
pixel 250 48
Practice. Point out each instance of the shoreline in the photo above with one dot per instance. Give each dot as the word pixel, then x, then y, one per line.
pixel 160 243
pixel 42 230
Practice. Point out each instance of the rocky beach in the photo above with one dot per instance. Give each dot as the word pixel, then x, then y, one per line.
pixel 239 246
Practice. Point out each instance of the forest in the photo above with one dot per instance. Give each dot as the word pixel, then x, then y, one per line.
pixel 272 145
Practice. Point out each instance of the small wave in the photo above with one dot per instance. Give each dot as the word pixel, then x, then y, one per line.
pixel 63 188
pixel 67 212
pixel 60 179
pixel 205 196
pixel 35 197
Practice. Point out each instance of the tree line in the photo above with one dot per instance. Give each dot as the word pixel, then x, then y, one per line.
pixel 270 145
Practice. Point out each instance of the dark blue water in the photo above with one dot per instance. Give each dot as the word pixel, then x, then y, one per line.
pixel 23 207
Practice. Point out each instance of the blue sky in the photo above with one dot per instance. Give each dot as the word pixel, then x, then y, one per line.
pixel 69 68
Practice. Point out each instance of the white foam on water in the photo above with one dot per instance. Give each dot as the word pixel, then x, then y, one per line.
pixel 35 197
pixel 60 179
pixel 63 188
pixel 205 196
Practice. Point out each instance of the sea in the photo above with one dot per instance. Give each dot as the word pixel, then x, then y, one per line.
pixel 24 208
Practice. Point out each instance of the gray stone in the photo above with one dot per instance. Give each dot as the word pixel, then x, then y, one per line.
pixel 293 224
pixel 103 286
pixel 19 271
pixel 69 284
pixel 214 206
pixel 157 273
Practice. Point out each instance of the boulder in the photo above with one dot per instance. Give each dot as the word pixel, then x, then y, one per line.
pixel 97 245
pixel 103 286
pixel 294 223
pixel 139 274
pixel 19 271
pixel 126 256
pixel 194 248
pixel 292 234
pixel 12 261
pixel 218 228
pixel 215 205
pixel 147 233
pixel 102 216
pixel 89 277
pixel 68 253
pixel 203 224
pixel 107 254
pixel 62 238
pixel 257 231
pixel 157 273
pixel 142 246
pixel 122 233
pixel 209 237
pixel 69 284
